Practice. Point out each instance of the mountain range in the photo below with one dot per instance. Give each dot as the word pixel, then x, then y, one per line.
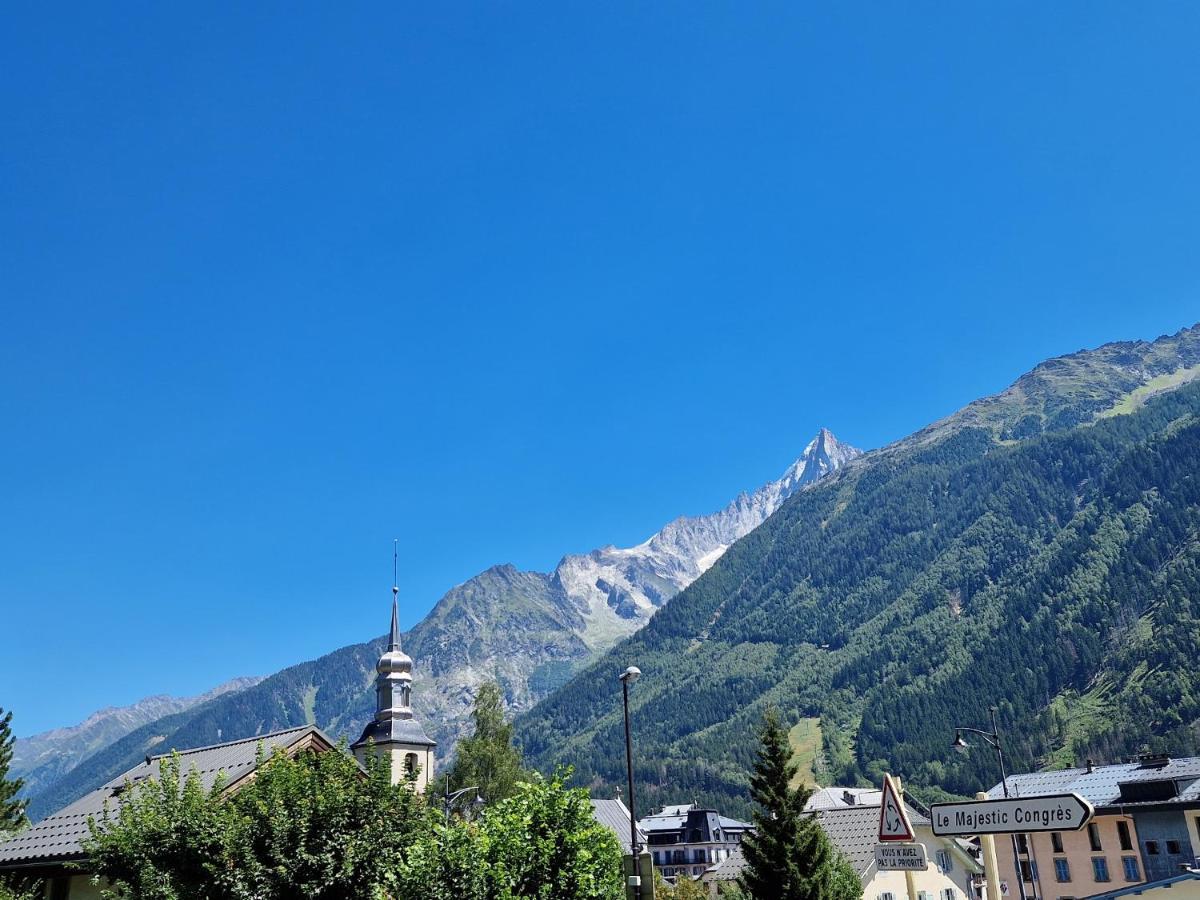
pixel 1038 550
pixel 527 630
pixel 42 759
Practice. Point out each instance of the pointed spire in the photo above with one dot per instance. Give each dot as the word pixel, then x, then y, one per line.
pixel 394 640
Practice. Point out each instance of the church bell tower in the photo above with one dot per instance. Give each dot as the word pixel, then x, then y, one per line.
pixel 394 732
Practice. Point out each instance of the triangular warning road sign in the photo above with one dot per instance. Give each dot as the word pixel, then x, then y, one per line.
pixel 893 817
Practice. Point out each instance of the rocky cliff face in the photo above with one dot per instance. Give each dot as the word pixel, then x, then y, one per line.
pixel 530 630
pixel 617 590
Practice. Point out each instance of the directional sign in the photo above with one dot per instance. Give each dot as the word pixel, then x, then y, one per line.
pixel 903 857
pixel 893 819
pixel 1014 815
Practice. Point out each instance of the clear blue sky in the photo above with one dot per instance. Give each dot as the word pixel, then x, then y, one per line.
pixel 507 281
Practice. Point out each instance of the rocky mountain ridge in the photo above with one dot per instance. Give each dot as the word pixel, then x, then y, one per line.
pixel 40 759
pixel 632 583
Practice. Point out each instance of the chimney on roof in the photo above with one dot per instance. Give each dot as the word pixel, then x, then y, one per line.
pixel 1091 766
pixel 1153 760
pixel 848 797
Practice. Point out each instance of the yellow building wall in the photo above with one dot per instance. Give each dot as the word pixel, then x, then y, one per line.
pixel 1078 853
pixel 424 763
pixel 1193 826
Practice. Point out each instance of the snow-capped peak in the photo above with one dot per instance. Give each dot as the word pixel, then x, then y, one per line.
pixel 618 589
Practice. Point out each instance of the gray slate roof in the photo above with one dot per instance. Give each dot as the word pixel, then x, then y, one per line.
pixel 854 830
pixel 728 869
pixel 395 731
pixel 1101 786
pixel 57 838
pixel 614 815
pixel 672 818
pixel 838 797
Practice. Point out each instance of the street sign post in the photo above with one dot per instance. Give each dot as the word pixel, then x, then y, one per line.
pixel 1014 815
pixel 905 857
pixel 893 818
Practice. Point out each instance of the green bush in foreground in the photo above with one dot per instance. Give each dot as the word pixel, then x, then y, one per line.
pixel 316 826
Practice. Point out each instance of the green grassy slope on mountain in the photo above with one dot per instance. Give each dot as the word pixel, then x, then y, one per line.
pixel 958 569
pixel 1072 390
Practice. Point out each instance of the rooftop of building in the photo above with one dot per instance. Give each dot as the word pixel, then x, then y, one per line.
pixel 854 830
pixel 1149 780
pixel 673 818
pixel 839 797
pixel 614 815
pixel 728 869
pixel 1136 890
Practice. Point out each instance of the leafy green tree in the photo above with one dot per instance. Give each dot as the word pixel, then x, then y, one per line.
pixel 789 856
pixel 447 862
pixel 312 825
pixel 12 808
pixel 34 890
pixel 684 888
pixel 488 758
pixel 164 840
pixel 544 843
pixel 317 826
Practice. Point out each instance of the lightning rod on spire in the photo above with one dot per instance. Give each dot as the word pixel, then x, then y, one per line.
pixel 394 637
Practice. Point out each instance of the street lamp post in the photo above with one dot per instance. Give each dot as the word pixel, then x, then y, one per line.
pixel 449 798
pixel 992 739
pixel 628 677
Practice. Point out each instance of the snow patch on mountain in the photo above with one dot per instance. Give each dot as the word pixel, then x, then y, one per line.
pixel 618 589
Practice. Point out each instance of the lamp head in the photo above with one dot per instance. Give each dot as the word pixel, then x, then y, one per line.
pixel 630 675
pixel 960 745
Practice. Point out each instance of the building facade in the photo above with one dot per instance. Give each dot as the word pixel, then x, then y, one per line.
pixel 615 816
pixel 685 841
pixel 1146 829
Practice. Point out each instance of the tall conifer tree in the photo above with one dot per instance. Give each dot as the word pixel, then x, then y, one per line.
pixel 12 809
pixel 789 856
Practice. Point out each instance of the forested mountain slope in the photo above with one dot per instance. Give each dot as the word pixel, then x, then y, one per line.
pixel 42 759
pixel 1009 555
pixel 527 630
